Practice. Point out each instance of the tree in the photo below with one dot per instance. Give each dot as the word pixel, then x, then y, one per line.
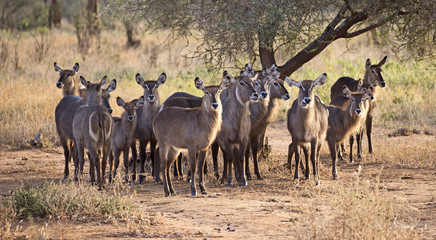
pixel 240 29
pixel 88 27
pixel 54 14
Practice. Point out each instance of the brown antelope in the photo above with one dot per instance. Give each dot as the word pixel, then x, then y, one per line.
pixel 307 123
pixel 64 116
pixel 263 112
pixel 200 127
pixel 124 128
pixel 93 129
pixel 234 135
pixel 346 114
pixel 144 129
pixel 183 100
pixel 68 81
pixel 372 77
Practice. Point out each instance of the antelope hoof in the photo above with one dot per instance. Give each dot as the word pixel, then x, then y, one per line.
pixel 296 182
pixel 317 182
pixel 188 179
pixel 75 179
pixel 249 176
pixel 259 177
pixel 351 160
pixel 307 179
pixel 194 193
pixel 229 184
pixel 159 182
pixel 204 192
pixel 243 183
pixel 335 176
pixel 167 194
pixel 359 158
pixel 217 175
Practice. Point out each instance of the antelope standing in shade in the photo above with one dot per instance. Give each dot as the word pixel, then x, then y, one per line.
pixel 234 135
pixel 346 114
pixel 93 129
pixel 307 123
pixel 372 77
pixel 199 129
pixel 263 112
pixel 144 129
pixel 124 129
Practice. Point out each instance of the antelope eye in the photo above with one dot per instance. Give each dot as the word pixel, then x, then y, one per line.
pixel 242 83
pixel 352 100
pixel 373 71
pixel 256 84
pixel 276 83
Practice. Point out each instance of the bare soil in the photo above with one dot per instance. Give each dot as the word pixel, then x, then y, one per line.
pixel 273 208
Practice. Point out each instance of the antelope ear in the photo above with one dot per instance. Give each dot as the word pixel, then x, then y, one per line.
pixel 121 102
pixel 249 70
pixel 229 77
pixel 162 78
pixel 83 81
pixel 199 84
pixel 112 86
pixel 368 95
pixel 255 77
pixel 57 67
pixel 360 82
pixel 273 68
pixel 139 79
pixel 368 63
pixel 346 91
pixel 292 83
pixel 320 80
pixel 140 101
pixel 382 62
pixel 103 81
pixel 225 83
pixel 75 68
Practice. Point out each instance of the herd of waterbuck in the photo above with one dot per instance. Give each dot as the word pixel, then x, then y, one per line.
pixel 232 116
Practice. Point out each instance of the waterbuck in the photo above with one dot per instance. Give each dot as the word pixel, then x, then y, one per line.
pixel 93 129
pixel 68 81
pixel 122 138
pixel 234 135
pixel 263 112
pixel 346 114
pixel 64 116
pixel 144 129
pixel 307 124
pixel 200 127
pixel 372 77
pixel 184 100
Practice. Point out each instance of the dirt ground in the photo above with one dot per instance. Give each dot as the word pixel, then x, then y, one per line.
pixel 272 208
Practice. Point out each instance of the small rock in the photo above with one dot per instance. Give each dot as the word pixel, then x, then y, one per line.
pixel 24 158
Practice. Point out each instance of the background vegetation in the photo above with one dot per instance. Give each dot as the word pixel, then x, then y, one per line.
pixel 29 95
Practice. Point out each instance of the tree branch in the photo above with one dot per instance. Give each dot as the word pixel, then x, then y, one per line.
pixel 358 32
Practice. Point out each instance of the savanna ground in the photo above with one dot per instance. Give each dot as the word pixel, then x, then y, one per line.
pixel 390 194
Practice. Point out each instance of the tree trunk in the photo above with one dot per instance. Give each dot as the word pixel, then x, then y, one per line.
pixel 130 41
pixel 54 14
pixel 266 57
